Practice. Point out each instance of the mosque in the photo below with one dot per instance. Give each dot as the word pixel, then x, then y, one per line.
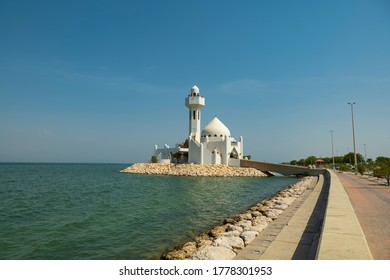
pixel 213 145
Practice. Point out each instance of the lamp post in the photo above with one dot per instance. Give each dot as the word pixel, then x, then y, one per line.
pixel 353 135
pixel 331 136
pixel 365 153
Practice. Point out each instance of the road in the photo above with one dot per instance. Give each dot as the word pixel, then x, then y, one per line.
pixel 371 203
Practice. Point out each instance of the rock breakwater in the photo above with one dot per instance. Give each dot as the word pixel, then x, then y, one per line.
pixel 207 170
pixel 224 241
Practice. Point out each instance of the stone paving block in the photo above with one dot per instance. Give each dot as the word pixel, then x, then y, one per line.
pixel 343 223
pixel 349 247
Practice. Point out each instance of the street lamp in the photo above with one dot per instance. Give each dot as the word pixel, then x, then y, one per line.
pixel 353 135
pixel 365 153
pixel 331 136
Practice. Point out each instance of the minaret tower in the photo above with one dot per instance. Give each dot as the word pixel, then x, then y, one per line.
pixel 194 102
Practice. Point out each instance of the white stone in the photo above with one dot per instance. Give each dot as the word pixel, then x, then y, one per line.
pixel 214 253
pixel 261 220
pixel 259 228
pixel 231 227
pixel 232 242
pixel 256 214
pixel 248 236
pixel 273 213
pixel 244 224
pixel 232 233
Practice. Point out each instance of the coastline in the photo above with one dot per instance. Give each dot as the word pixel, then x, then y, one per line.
pixel 223 242
pixel 205 170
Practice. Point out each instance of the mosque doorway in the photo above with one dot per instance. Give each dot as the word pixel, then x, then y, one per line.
pixel 234 154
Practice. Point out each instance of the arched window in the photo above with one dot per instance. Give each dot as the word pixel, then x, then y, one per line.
pixel 194 114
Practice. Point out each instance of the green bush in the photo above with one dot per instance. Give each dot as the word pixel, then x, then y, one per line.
pixel 343 167
pixel 154 159
pixel 361 169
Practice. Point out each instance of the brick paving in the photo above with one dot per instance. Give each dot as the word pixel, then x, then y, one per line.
pixel 371 203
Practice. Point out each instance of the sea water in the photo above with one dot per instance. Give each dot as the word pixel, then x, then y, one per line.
pixel 91 211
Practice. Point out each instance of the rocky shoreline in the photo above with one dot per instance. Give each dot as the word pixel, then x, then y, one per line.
pixel 224 241
pixel 206 170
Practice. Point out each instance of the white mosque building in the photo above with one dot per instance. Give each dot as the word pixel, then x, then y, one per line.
pixel 213 145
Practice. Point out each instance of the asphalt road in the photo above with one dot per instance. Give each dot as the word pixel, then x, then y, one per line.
pixel 371 203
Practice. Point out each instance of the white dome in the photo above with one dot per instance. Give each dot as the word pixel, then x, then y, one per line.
pixel 194 90
pixel 215 129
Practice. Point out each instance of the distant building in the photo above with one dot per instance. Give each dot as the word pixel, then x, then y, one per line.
pixel 213 145
pixel 320 163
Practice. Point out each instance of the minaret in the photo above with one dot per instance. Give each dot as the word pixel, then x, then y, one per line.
pixel 194 102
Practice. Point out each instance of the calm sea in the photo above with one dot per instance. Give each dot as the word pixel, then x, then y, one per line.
pixel 91 211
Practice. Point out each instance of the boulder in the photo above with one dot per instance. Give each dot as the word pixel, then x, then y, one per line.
pixel 261 220
pixel 216 231
pixel 258 228
pixel 248 236
pixel 231 227
pixel 214 253
pixel 245 216
pixel 273 213
pixel 229 221
pixel 244 224
pixel 232 233
pixel 256 213
pixel 233 242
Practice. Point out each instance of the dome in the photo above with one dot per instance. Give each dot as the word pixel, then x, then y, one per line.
pixel 194 90
pixel 215 129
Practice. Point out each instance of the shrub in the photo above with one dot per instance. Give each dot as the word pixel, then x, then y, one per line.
pixel 361 169
pixel 343 167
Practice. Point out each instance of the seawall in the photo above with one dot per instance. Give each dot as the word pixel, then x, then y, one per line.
pixel 207 170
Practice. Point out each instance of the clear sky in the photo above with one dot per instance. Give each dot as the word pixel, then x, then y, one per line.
pixel 104 81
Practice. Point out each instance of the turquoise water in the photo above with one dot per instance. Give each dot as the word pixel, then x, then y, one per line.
pixel 90 211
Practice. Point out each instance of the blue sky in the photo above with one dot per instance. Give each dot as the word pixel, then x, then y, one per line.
pixel 104 81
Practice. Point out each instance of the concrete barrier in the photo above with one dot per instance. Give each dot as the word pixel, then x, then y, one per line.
pixel 283 169
pixel 342 237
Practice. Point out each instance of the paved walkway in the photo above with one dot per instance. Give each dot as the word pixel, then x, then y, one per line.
pixel 371 203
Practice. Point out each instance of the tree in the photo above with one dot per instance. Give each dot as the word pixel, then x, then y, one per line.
pixel 339 159
pixel 154 159
pixel 293 162
pixel 349 158
pixel 311 160
pixel 383 168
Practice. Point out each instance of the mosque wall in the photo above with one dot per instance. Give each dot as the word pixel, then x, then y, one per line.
pixel 206 154
pixel 194 152
pixel 234 162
